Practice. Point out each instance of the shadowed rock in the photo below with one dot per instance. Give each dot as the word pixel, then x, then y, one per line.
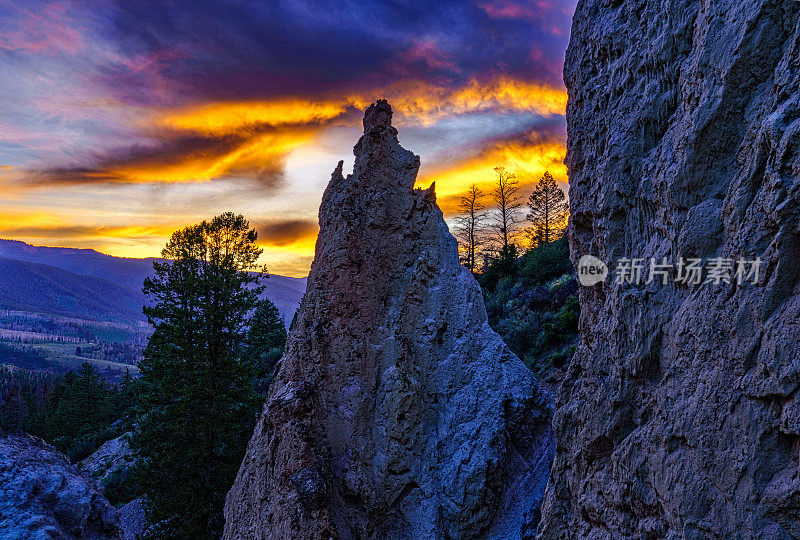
pixel 113 457
pixel 397 412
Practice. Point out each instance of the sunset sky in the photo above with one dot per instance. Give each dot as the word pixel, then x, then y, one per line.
pixel 123 121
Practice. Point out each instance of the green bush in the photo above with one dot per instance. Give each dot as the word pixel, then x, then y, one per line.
pixel 120 487
pixel 545 262
pixel 565 323
pixel 532 302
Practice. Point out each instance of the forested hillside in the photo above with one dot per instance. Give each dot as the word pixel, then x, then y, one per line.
pixel 125 272
pixel 38 288
pixel 61 307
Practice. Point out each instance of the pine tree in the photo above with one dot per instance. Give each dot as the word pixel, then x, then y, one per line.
pixel 13 410
pixel 265 342
pixel 469 225
pixel 125 399
pixel 549 211
pixel 90 396
pixel 81 412
pixel 198 405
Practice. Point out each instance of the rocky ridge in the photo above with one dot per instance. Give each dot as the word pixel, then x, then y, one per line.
pixel 397 412
pixel 112 457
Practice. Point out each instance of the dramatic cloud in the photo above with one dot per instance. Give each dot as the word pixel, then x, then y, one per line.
pixel 290 232
pixel 251 49
pixel 258 156
pixel 526 155
pixel 224 118
pixel 198 108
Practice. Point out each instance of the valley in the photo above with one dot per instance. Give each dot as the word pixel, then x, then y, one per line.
pixel 61 307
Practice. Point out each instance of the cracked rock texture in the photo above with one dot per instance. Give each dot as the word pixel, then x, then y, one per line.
pixel 397 412
pixel 43 496
pixel 679 416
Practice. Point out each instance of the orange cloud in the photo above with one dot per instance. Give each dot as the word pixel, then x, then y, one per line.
pixel 45 226
pixel 252 139
pixel 259 156
pixel 288 233
pixel 224 118
pixel 288 245
pixel 428 103
pixel 418 100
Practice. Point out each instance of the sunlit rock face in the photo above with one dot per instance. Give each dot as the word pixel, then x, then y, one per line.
pixel 679 416
pixel 397 412
pixel 43 496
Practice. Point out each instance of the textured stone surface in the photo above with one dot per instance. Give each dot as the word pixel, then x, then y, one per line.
pixel 113 456
pixel 397 412
pixel 679 414
pixel 43 496
pixel 132 519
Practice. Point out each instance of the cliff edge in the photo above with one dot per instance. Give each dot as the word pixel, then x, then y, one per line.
pixel 42 495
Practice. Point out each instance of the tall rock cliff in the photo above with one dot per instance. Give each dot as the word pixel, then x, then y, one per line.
pixel 680 416
pixel 397 412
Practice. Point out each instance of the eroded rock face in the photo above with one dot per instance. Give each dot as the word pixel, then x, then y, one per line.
pixel 679 415
pixel 397 412
pixel 43 496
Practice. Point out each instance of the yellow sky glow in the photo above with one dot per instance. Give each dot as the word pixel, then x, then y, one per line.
pixel 528 161
pixel 259 135
pixel 230 117
pixel 427 103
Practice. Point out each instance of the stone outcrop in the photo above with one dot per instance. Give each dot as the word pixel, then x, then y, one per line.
pixel 397 412
pixel 679 416
pixel 114 456
pixel 43 496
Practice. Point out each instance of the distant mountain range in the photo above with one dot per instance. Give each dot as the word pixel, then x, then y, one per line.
pixel 86 284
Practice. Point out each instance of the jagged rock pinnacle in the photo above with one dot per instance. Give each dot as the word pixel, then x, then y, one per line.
pixel 397 412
